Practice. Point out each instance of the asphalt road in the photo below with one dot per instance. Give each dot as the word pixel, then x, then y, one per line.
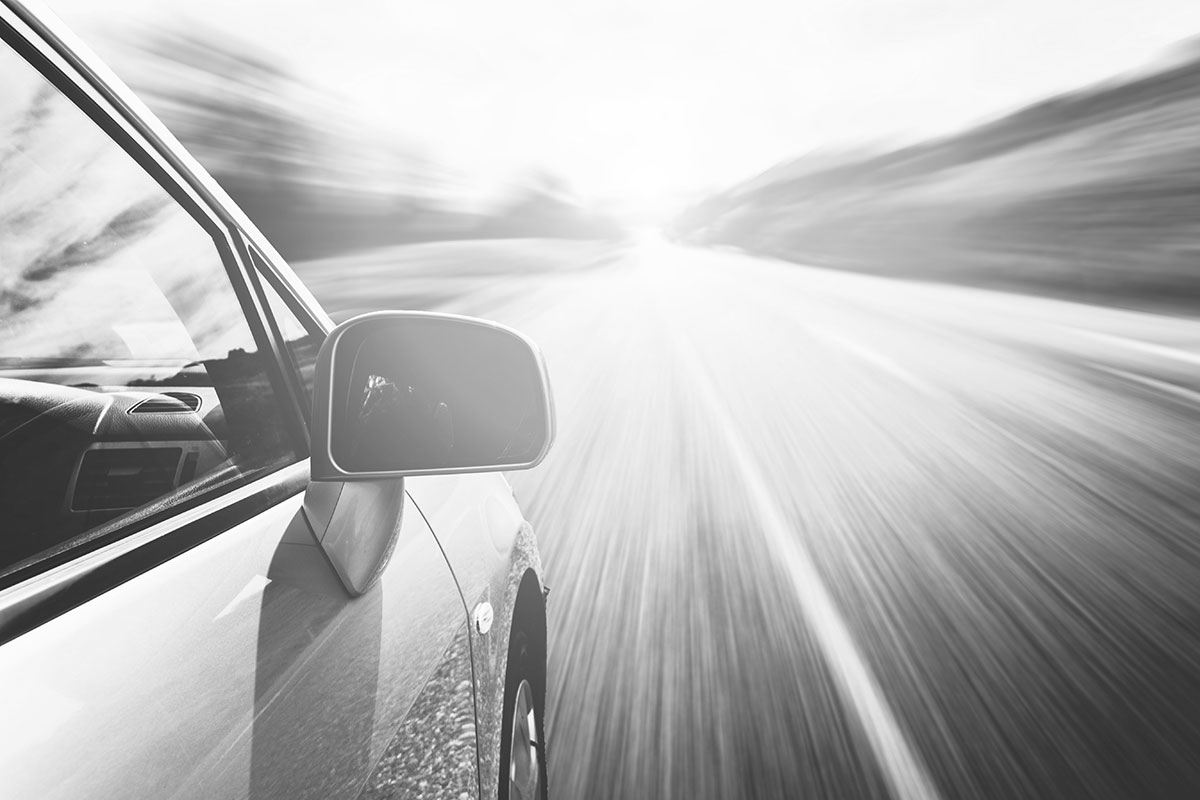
pixel 819 535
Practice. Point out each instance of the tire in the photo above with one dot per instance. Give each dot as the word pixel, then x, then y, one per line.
pixel 523 723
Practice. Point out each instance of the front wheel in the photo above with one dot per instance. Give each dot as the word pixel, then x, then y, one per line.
pixel 523 749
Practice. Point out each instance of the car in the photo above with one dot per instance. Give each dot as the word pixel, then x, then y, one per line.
pixel 244 552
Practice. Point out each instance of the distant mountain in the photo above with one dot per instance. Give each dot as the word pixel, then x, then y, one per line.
pixel 543 207
pixel 1093 193
pixel 316 177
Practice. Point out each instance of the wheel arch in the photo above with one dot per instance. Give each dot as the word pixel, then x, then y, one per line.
pixel 526 653
pixel 529 613
pixel 516 593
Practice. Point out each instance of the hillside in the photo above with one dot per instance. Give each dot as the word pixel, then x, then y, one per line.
pixel 1092 194
pixel 315 176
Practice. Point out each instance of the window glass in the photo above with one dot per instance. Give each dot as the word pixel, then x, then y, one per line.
pixel 129 378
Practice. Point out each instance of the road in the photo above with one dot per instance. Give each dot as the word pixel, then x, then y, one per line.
pixel 821 535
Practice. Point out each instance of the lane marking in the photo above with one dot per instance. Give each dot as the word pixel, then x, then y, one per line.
pixel 905 773
pixel 1161 350
pixel 872 357
pixel 1153 383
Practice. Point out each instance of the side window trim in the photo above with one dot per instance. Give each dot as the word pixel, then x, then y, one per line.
pixel 266 333
pixel 314 319
pixel 295 393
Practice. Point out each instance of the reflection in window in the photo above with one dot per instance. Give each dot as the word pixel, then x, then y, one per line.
pixel 96 259
pixel 129 378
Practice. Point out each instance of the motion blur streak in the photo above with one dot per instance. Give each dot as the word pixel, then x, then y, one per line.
pixel 1003 521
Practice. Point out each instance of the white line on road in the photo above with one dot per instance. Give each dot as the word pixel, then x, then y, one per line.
pixel 1162 386
pixel 872 357
pixel 859 689
pixel 1186 356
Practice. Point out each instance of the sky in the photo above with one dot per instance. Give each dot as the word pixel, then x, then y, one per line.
pixel 645 102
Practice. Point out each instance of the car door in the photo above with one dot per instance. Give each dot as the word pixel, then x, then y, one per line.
pixel 167 626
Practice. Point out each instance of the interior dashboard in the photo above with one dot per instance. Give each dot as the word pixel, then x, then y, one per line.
pixel 76 456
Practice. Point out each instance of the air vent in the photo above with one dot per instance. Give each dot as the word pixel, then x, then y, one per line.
pixel 168 403
pixel 123 478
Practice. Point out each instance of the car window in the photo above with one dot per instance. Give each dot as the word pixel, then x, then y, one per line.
pixel 130 381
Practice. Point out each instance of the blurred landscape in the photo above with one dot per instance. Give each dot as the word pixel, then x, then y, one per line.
pixel 314 176
pixel 1091 195
pixel 814 532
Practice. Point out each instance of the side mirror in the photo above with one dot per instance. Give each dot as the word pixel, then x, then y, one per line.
pixel 411 393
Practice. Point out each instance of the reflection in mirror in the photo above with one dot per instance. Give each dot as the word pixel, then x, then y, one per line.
pixel 437 393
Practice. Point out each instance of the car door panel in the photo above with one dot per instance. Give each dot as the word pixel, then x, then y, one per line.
pixel 476 520
pixel 336 676
pixel 219 674
pixel 492 550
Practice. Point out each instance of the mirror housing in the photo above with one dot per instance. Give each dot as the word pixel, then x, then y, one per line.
pixel 400 393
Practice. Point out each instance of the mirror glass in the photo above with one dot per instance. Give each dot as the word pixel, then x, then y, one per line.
pixel 419 393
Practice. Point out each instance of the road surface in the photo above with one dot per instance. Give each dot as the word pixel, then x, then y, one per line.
pixel 821 535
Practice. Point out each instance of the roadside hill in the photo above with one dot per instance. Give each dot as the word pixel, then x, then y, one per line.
pixel 1094 193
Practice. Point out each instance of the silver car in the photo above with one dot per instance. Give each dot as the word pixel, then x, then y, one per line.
pixel 243 552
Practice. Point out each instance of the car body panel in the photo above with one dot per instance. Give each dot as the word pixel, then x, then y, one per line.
pixel 233 670
pixel 489 571
pixel 433 755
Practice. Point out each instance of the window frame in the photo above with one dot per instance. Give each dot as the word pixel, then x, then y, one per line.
pixel 264 275
pixel 57 586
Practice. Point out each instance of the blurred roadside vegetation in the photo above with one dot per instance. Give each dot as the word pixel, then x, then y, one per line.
pixel 1092 195
pixel 314 177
